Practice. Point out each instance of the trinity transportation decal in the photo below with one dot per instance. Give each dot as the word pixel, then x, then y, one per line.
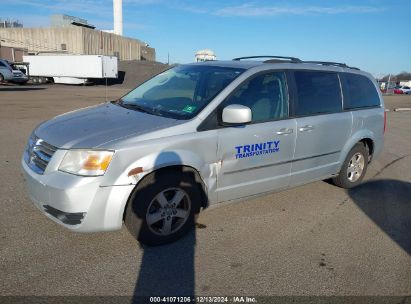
pixel 257 149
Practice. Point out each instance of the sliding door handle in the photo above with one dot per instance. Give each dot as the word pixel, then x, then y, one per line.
pixel 305 128
pixel 284 131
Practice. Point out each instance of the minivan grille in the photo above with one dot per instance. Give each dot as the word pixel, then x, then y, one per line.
pixel 38 154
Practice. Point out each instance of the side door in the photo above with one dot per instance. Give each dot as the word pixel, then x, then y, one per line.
pixel 322 126
pixel 256 157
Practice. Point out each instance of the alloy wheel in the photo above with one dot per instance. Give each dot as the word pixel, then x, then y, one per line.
pixel 168 211
pixel 355 167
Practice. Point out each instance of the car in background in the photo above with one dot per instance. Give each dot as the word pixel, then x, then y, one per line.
pixel 402 90
pixel 6 71
pixel 19 77
pixel 11 74
pixel 397 90
pixel 405 89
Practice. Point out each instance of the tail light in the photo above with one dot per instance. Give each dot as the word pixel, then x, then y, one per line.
pixel 385 120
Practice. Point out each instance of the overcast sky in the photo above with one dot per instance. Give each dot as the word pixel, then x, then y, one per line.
pixel 371 34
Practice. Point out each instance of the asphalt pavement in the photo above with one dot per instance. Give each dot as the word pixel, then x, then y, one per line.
pixel 314 240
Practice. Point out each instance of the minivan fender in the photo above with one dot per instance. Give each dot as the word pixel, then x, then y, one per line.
pixel 156 161
pixel 354 139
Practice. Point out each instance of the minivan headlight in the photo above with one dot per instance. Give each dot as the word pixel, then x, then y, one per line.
pixel 86 162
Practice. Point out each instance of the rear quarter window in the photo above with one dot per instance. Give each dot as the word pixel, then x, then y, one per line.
pixel 317 93
pixel 359 92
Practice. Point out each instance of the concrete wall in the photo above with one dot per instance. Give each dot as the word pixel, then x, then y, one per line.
pixel 76 40
pixel 44 39
pixel 102 43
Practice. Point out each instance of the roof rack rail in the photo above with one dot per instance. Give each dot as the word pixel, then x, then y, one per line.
pixel 339 64
pixel 292 59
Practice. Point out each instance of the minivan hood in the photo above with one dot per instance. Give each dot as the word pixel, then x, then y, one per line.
pixel 92 127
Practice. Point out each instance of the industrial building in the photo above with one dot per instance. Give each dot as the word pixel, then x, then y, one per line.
pixel 75 40
pixel 60 20
pixel 73 35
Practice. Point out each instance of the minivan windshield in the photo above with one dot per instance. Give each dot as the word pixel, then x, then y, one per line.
pixel 180 92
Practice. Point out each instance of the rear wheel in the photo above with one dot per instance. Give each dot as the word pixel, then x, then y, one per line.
pixel 1 77
pixel 354 167
pixel 162 208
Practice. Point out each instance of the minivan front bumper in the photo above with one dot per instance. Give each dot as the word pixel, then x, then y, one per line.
pixel 19 79
pixel 76 202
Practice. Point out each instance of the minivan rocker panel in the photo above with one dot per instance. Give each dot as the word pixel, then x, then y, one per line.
pixel 153 158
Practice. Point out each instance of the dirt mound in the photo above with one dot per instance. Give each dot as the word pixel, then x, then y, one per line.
pixel 133 72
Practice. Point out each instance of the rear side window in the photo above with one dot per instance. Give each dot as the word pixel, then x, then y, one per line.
pixel 359 92
pixel 317 92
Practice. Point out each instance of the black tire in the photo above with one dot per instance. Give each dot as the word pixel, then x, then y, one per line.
pixel 143 198
pixel 343 180
pixel 1 77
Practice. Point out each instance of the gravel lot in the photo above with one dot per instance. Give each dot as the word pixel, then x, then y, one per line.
pixel 312 240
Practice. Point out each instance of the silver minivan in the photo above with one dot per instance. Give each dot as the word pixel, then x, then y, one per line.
pixel 201 134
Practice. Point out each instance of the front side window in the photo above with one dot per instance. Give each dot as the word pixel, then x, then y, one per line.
pixel 359 92
pixel 181 92
pixel 317 93
pixel 266 95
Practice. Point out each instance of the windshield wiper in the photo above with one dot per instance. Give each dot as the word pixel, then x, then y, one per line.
pixel 138 108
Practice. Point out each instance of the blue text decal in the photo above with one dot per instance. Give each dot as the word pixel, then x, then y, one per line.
pixel 257 149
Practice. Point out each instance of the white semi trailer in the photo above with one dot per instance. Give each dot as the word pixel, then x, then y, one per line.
pixel 71 69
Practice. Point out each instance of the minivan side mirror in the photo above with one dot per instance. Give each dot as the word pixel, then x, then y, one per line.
pixel 236 114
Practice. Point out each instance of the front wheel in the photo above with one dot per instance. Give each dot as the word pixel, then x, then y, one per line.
pixel 1 77
pixel 162 208
pixel 354 168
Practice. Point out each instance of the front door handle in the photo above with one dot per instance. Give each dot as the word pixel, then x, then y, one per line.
pixel 306 128
pixel 284 131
